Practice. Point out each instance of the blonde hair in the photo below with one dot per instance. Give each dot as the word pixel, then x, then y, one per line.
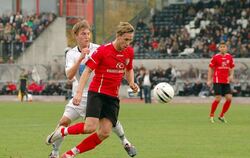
pixel 124 27
pixel 79 25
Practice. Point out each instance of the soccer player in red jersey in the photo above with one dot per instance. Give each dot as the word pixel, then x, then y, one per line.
pixel 220 73
pixel 110 62
pixel 75 63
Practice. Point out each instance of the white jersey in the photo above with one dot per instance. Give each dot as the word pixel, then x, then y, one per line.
pixel 71 58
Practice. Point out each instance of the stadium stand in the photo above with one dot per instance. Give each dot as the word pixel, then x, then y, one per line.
pixel 17 32
pixel 193 30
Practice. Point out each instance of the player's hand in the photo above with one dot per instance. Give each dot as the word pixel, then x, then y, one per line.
pixel 231 79
pixel 209 83
pixel 134 87
pixel 85 51
pixel 77 99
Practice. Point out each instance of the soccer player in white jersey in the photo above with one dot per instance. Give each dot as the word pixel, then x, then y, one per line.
pixel 75 64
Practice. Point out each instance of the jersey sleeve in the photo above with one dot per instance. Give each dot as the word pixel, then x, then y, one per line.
pixel 95 59
pixel 212 63
pixel 131 57
pixel 69 60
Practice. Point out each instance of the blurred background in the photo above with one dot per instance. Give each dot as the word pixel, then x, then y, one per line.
pixel 174 40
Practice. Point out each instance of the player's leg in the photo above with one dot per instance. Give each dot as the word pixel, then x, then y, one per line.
pixel 119 131
pixel 64 121
pixel 93 111
pixel 88 143
pixel 111 112
pixel 26 94
pixel 92 116
pixel 93 140
pixel 218 95
pixel 70 114
pixel 22 95
pixel 226 106
pixel 214 107
pixel 99 106
pixel 215 103
pixel 89 126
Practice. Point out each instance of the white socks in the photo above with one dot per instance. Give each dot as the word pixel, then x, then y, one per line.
pixel 119 131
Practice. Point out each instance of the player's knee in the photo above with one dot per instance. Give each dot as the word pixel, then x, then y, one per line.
pixel 228 97
pixel 103 134
pixel 64 122
pixel 218 98
pixel 90 128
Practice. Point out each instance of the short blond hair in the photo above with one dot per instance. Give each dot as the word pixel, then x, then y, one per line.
pixel 79 25
pixel 124 27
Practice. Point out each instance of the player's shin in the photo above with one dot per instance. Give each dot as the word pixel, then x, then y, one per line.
pixel 87 144
pixel 74 129
pixel 225 107
pixel 57 144
pixel 119 131
pixel 213 107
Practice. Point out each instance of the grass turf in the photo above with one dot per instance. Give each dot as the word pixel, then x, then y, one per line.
pixel 158 131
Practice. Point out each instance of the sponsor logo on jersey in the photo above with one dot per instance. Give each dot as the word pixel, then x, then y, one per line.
pixel 120 65
pixel 115 71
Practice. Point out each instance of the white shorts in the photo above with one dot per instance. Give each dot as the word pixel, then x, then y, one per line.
pixel 74 112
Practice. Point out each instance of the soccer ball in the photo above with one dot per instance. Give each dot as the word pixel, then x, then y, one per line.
pixel 163 92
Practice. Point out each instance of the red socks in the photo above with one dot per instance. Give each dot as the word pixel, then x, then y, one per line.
pixel 213 107
pixel 89 143
pixel 70 153
pixel 76 129
pixel 225 107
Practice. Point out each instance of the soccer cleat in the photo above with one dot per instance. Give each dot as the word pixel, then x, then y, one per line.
pixel 222 119
pixel 54 136
pixel 130 150
pixel 53 155
pixel 65 155
pixel 212 119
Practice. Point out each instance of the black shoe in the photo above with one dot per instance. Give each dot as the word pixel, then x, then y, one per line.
pixel 222 119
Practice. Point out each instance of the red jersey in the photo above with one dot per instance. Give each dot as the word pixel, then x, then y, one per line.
pixel 221 64
pixel 109 65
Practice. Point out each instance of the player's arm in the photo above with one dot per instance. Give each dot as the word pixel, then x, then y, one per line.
pixel 231 75
pixel 71 72
pixel 210 72
pixel 231 70
pixel 82 82
pixel 210 76
pixel 129 74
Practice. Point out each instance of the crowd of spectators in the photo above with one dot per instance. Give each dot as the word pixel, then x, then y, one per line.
pixel 189 82
pixel 41 88
pixel 193 30
pixel 201 89
pixel 18 31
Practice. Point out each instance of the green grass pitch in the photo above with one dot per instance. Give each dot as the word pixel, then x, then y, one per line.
pixel 158 131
